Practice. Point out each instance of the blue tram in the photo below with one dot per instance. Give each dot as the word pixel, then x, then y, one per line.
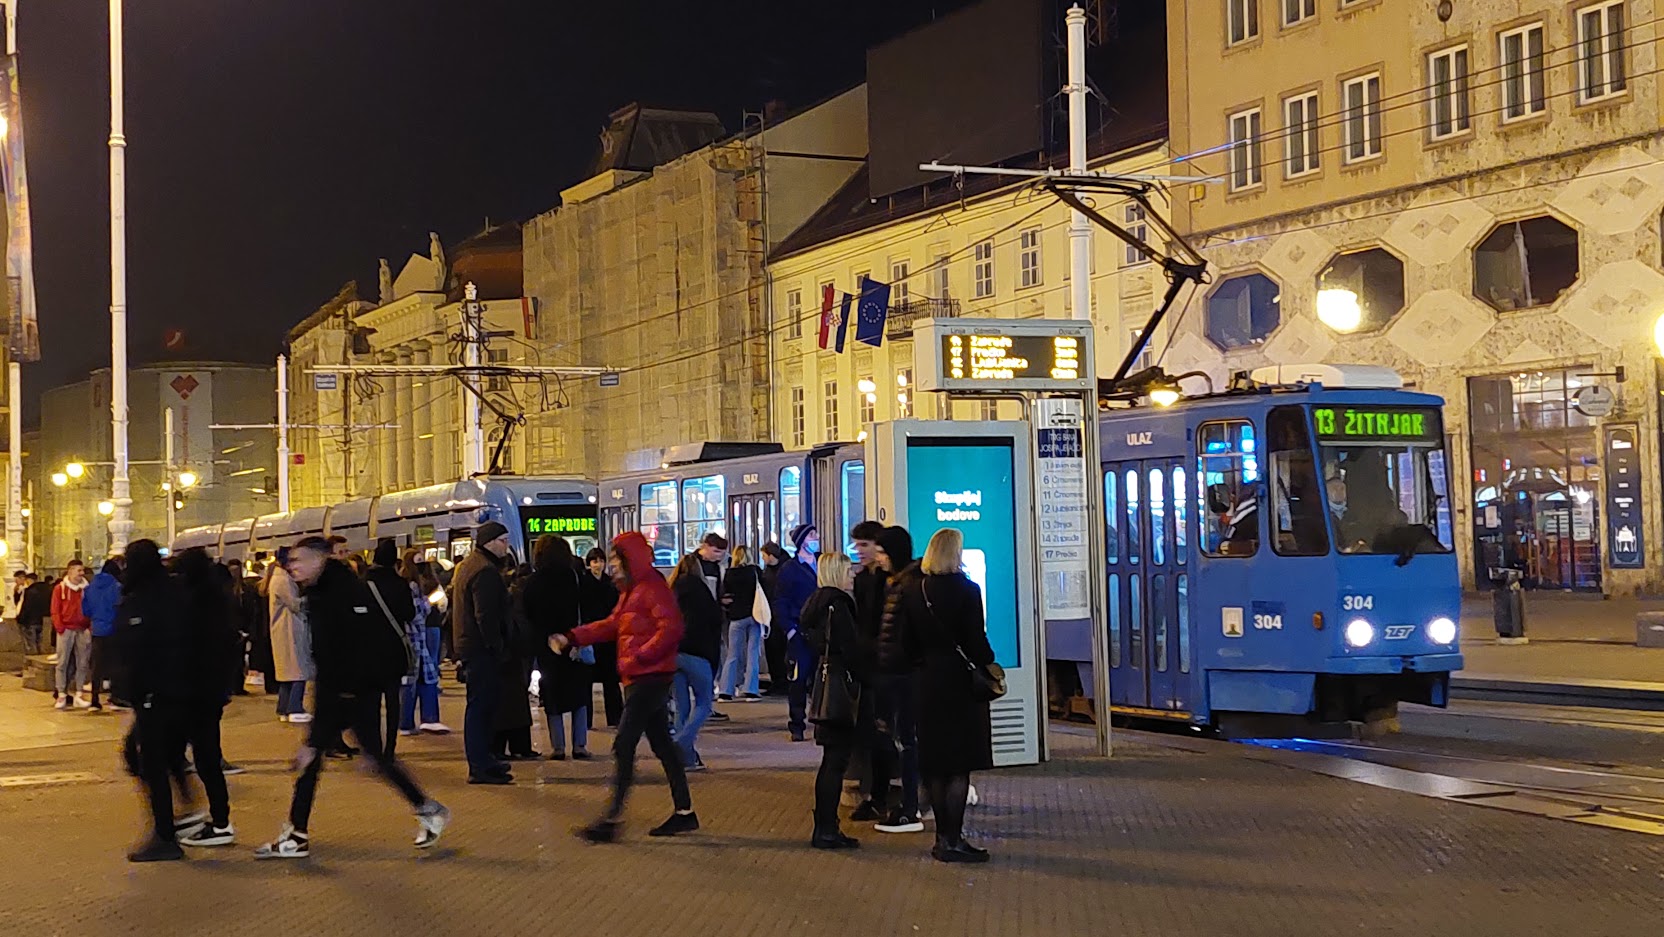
pixel 439 519
pixel 1280 556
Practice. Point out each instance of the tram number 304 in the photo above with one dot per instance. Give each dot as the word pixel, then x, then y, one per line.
pixel 1268 622
pixel 1357 603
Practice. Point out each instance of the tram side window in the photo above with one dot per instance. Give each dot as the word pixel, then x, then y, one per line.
pixel 1228 481
pixel 854 499
pixel 1112 519
pixel 1297 527
pixel 658 521
pixel 702 509
pixel 791 501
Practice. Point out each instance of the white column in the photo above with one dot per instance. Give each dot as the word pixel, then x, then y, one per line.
pixel 403 438
pixel 421 415
pixel 283 458
pixel 121 494
pixel 382 440
pixel 16 552
pixel 1080 229
pixel 473 330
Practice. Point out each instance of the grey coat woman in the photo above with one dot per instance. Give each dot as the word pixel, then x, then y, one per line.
pixel 291 638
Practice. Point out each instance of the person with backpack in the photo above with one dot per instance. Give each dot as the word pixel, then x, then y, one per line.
pixel 357 653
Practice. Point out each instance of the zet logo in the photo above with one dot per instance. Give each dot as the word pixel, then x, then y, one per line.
pixel 1399 632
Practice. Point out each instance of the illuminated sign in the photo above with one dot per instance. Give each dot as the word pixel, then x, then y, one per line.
pixel 1378 424
pixel 537 526
pixel 576 524
pixel 1004 355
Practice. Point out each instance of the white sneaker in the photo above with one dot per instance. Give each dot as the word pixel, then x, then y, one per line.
pixel 288 845
pixel 210 835
pixel 409 732
pixel 431 819
pixel 300 717
pixel 189 824
pixel 435 728
pixel 81 702
pixel 971 800
pixel 62 703
pixel 282 717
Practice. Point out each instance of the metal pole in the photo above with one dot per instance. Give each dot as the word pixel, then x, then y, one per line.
pixel 121 493
pixel 473 330
pixel 14 466
pixel 282 434
pixel 29 532
pixel 1080 229
pixel 167 460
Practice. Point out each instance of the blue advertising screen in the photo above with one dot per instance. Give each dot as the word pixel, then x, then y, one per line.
pixel 970 483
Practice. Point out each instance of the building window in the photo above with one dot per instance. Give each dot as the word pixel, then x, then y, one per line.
pixel 1298 11
pixel 800 419
pixel 496 383
pixel 1244 18
pixel 1146 355
pixel 1447 85
pixel 904 393
pixel 939 276
pixel 1526 263
pixel 990 410
pixel 1522 72
pixel 899 293
pixel 794 314
pixel 1245 150
pixel 1360 291
pixel 1029 249
pixel 866 393
pixel 1361 97
pixel 829 404
pixel 983 271
pixel 1300 135
pixel 1137 224
pixel 1600 51
pixel 1243 311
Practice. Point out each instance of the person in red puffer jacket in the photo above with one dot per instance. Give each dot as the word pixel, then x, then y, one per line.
pixel 648 628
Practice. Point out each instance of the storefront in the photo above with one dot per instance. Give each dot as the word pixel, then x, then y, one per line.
pixel 1535 457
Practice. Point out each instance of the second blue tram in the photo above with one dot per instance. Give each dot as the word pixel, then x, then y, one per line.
pixel 1280 555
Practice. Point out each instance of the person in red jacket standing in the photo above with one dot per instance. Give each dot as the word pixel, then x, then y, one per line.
pixel 648 628
pixel 74 630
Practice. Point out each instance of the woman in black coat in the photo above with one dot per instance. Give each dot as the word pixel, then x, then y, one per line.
pixel 828 624
pixel 597 597
pixel 553 607
pixel 932 613
pixel 514 714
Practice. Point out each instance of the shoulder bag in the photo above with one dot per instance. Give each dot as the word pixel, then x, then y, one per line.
pixel 835 698
pixel 987 683
pixel 398 629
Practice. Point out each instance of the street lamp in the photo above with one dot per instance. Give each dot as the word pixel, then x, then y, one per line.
pixel 1658 334
pixel 60 479
pixel 187 479
pixel 106 508
pixel 1339 309
pixel 75 470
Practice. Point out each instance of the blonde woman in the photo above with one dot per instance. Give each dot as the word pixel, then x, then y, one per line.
pixel 933 623
pixel 742 656
pixel 843 712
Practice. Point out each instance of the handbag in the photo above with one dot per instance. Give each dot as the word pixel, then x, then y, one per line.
pixel 761 613
pixel 987 682
pixel 404 639
pixel 835 698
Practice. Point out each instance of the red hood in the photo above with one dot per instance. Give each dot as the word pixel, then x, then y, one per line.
pixel 635 553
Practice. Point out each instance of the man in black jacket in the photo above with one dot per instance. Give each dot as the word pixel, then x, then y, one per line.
pixel 876 766
pixel 397 604
pixel 356 652
pixel 32 611
pixel 479 629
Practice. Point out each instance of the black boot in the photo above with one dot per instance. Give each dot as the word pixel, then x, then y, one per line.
pixel 833 838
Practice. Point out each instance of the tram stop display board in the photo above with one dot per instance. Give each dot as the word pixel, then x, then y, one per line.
pixel 925 475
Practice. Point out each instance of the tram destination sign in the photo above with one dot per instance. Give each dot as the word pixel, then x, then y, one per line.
pixel 1341 424
pixel 993 355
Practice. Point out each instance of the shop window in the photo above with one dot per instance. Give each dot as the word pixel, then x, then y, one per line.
pixel 1360 291
pixel 1297 527
pixel 1228 477
pixel 1243 311
pixel 1525 263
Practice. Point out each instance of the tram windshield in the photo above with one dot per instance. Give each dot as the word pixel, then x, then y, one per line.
pixel 1385 478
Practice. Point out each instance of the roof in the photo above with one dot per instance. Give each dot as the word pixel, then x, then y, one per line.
pixel 640 138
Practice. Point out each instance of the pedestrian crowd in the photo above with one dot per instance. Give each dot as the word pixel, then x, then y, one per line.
pixel 883 658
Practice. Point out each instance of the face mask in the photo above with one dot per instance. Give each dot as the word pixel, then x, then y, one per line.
pixel 811 547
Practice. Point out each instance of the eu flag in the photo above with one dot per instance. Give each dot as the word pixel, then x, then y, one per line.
pixel 871 312
pixel 843 321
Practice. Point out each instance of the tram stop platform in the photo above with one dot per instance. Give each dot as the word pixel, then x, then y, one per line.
pixel 1580 650
pixel 1156 840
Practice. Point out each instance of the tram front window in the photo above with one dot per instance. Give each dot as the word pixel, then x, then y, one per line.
pixel 1385 479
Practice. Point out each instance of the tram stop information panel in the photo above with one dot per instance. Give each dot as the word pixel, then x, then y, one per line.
pixel 975 476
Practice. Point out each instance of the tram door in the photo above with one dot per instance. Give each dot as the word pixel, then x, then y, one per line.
pixel 1147 509
pixel 751 518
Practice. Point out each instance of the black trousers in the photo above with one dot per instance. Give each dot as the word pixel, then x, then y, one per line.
pixel 829 783
pixel 359 714
pixel 646 712
pixel 779 668
pixel 162 731
pixel 390 702
pixel 103 665
pixel 606 674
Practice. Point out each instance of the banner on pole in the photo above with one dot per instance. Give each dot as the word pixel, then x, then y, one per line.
pixel 22 329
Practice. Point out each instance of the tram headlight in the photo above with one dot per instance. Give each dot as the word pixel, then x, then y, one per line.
pixel 1359 633
pixel 1442 631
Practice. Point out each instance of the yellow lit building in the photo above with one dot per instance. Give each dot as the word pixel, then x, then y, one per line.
pixel 1469 193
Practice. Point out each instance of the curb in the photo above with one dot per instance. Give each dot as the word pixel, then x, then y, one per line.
pixel 1607 694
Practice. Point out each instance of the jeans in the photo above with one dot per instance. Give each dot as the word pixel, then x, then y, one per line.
pixel 580 730
pixel 695 695
pixel 291 697
pixel 31 636
pixel 361 715
pixel 740 666
pixel 804 662
pixel 479 720
pixel 646 712
pixel 163 730
pixel 74 660
pixel 898 726
pixel 424 695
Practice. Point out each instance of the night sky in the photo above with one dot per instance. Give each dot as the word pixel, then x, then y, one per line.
pixel 277 149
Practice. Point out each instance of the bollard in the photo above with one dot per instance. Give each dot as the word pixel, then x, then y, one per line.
pixel 1508 606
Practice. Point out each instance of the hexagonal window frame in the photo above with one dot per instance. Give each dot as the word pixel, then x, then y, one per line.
pixel 1517 222
pixel 1219 285
pixel 1365 327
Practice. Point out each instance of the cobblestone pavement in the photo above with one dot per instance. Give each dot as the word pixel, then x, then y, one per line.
pixel 1155 841
pixel 1572 638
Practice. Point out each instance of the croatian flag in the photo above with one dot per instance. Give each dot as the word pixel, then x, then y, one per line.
pixel 871 312
pixel 828 321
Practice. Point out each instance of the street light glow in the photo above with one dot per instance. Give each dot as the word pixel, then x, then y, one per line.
pixel 60 479
pixel 1658 334
pixel 1339 310
pixel 106 508
pixel 187 478
pixel 75 470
